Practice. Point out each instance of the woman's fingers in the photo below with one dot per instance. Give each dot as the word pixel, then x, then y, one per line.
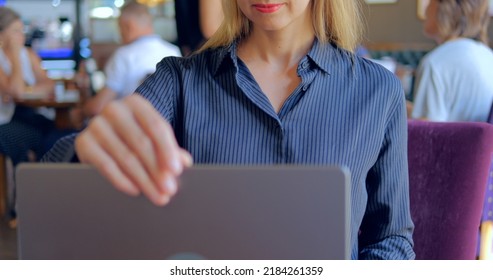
pixel 128 130
pixel 186 158
pixel 89 151
pixel 131 145
pixel 160 133
pixel 128 161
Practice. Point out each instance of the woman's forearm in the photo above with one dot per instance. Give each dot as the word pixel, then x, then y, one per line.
pixel 15 81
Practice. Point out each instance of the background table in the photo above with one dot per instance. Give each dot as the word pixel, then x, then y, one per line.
pixel 62 109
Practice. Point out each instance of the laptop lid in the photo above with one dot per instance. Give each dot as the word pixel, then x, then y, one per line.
pixel 69 211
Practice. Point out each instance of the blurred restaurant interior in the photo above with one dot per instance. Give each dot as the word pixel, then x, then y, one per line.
pixel 68 31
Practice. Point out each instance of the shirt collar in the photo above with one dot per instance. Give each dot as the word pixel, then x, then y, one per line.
pixel 221 55
pixel 321 54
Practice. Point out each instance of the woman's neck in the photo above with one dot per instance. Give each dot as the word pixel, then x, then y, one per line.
pixel 274 56
pixel 277 47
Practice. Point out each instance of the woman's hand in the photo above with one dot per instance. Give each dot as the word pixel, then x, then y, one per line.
pixel 135 149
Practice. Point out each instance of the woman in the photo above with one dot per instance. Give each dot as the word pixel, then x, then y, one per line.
pixel 453 82
pixel 277 84
pixel 21 129
pixel 211 16
pixel 196 21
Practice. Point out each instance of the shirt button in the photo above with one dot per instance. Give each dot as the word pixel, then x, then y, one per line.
pixel 304 65
pixel 305 88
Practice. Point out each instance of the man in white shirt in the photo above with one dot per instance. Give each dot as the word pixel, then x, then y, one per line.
pixel 133 62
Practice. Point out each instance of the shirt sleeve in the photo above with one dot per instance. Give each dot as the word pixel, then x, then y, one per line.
pixel 115 73
pixel 386 230
pixel 429 101
pixel 62 151
pixel 162 89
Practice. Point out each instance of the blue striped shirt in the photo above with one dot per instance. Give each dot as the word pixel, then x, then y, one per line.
pixel 346 111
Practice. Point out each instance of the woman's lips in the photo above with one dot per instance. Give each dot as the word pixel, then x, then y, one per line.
pixel 267 8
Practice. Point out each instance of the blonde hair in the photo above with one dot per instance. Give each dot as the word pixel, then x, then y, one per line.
pixel 464 18
pixel 334 21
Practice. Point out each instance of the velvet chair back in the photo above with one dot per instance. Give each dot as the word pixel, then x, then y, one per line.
pixel 449 165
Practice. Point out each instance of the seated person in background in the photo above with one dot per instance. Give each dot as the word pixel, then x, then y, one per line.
pixel 277 84
pixel 21 129
pixel 454 81
pixel 211 16
pixel 196 21
pixel 131 63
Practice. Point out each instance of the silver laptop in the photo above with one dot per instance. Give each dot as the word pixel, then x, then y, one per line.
pixel 69 211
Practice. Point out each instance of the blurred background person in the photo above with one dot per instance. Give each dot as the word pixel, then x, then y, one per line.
pixel 453 82
pixel 133 62
pixel 21 129
pixel 211 16
pixel 196 21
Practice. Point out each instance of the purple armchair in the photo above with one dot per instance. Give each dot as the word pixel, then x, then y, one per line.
pixel 449 165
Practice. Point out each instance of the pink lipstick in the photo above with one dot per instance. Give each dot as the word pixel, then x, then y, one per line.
pixel 267 8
